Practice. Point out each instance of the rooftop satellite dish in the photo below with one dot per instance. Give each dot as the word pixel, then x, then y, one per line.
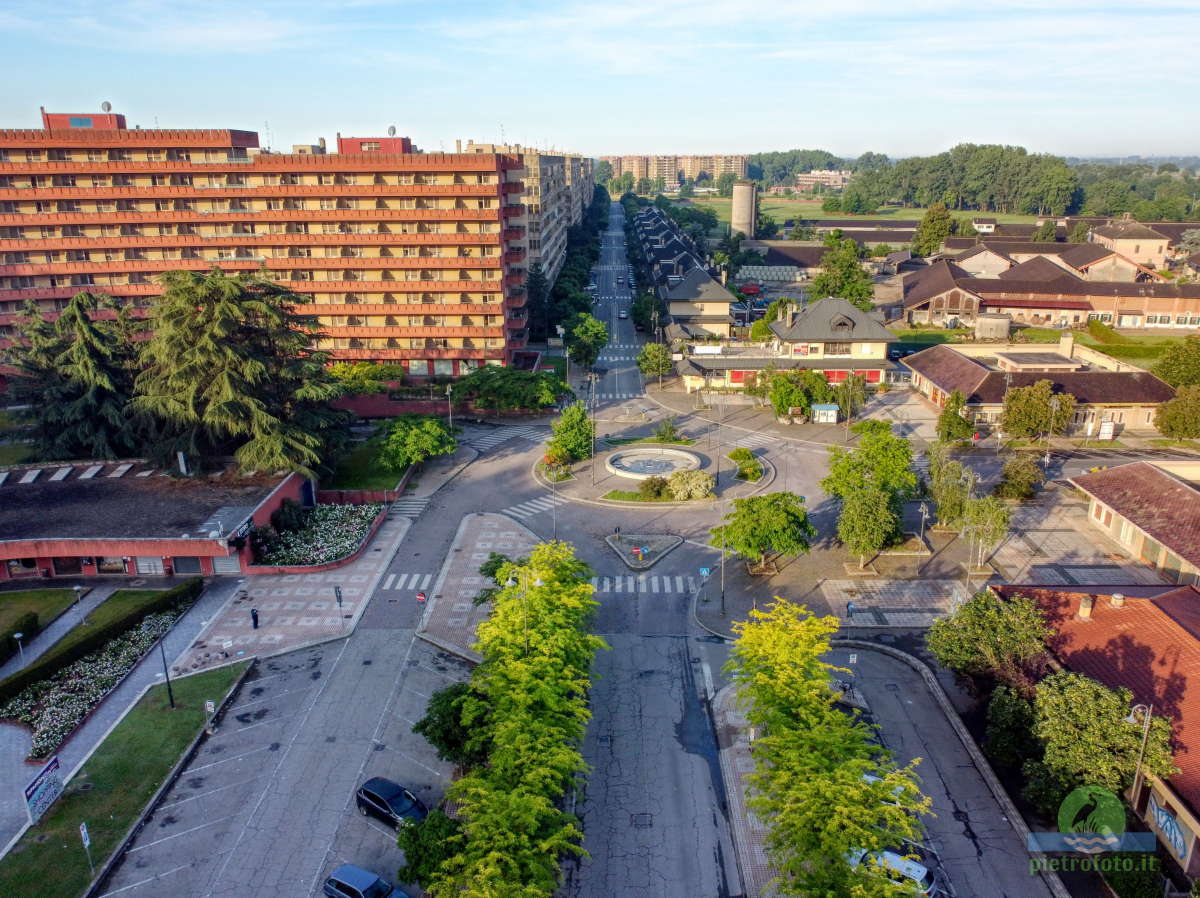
pixel 391 130
pixel 106 106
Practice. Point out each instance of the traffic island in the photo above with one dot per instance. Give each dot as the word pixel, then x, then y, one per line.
pixel 641 551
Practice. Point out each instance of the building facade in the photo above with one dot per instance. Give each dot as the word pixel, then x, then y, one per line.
pixel 408 257
pixel 672 168
pixel 828 180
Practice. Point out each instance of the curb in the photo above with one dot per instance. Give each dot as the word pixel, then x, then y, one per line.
pixel 1051 878
pixel 119 852
pixel 787 439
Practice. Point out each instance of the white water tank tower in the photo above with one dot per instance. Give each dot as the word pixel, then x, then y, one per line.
pixel 744 214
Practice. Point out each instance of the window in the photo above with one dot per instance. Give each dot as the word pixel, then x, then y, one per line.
pixel 1181 319
pixel 838 348
pixel 79 121
pixel 369 146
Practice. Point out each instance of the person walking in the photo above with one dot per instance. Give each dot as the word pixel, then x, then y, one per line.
pixel 254 618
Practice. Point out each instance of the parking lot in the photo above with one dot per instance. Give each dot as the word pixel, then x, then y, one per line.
pixel 280 773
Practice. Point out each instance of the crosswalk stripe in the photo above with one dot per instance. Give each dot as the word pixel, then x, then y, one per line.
pixel 425 582
pixel 388 583
pixel 654 584
pixel 679 584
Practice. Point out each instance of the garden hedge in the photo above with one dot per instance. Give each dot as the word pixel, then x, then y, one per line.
pixel 59 657
pixel 27 625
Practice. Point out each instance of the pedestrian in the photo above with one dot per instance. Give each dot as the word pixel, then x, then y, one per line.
pixel 254 618
pixel 617 532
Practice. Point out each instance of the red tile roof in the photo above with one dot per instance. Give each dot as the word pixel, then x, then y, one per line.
pixel 1039 268
pixel 1151 646
pixel 1161 504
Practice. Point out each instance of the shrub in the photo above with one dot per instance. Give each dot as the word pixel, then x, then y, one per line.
pixel 653 488
pixel 667 432
pixel 741 454
pixel 290 515
pixel 57 658
pixel 1019 478
pixel 685 485
pixel 1104 333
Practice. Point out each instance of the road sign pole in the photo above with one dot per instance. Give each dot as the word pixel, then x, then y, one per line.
pixel 87 846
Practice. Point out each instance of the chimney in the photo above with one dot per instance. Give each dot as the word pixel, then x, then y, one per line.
pixel 1117 600
pixel 1085 607
pixel 458 145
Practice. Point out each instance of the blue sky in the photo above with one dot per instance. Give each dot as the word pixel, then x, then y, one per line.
pixel 627 76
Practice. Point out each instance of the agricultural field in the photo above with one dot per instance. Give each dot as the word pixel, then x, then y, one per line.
pixel 783 208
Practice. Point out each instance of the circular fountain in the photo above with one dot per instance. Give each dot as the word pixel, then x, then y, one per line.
pixel 644 462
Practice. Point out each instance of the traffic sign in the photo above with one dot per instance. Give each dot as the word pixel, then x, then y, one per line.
pixel 705 571
pixel 421 597
pixel 210 707
pixel 645 550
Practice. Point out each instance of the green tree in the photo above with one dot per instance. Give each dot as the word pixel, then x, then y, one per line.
pixel 586 337
pixel 1035 410
pixel 366 378
pixel 462 744
pixel 427 845
pixel 1179 418
pixel 985 521
pixel 776 523
pixel 991 638
pixel 1080 232
pixel 810 757
pixel 932 231
pixel 1009 739
pixel 686 191
pixel 787 393
pixel 1087 739
pixel 1046 232
pixel 881 458
pixel 509 389
pixel 851 396
pixel 950 486
pixel 1180 364
pixel 865 522
pixel 573 432
pixel 1020 477
pixel 667 432
pixel 654 361
pixel 230 364
pixel 411 439
pixel 831 204
pixel 842 275
pixel 951 425
pixel 75 381
pixel 537 301
pixel 725 184
pixel 644 186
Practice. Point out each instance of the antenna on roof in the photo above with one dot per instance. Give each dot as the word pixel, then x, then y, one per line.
pixel 106 106
pixel 391 130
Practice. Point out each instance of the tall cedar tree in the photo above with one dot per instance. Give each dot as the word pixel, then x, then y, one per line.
pixel 842 275
pixel 76 379
pixel 932 231
pixel 231 365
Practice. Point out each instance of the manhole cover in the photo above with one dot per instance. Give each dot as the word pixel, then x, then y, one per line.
pixel 366 662
pixel 379 746
pixel 641 821
pixel 331 738
pixel 892 687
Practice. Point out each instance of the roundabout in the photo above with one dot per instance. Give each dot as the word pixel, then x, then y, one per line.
pixel 645 462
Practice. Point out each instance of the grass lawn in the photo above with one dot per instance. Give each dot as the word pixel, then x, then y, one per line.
pixel 930 335
pixel 632 496
pixel 1177 444
pixel 124 772
pixel 46 603
pixel 558 363
pixel 1142 350
pixel 783 208
pixel 1040 334
pixel 360 471
pixel 14 453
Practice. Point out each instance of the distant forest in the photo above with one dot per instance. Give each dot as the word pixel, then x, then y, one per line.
pixel 995 178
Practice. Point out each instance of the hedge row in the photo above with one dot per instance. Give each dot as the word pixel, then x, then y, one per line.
pixel 27 625
pixel 65 653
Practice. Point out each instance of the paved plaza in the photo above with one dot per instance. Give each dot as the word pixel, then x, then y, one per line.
pixel 893 603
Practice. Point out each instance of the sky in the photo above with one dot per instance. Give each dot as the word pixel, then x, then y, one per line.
pixel 902 77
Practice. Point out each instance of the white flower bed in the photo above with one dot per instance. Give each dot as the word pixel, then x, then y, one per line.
pixel 331 532
pixel 55 706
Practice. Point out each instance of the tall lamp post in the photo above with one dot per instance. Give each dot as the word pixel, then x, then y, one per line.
pixel 1142 714
pixel 510 582
pixel 450 405
pixel 593 377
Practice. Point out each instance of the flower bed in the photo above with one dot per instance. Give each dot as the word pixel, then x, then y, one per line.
pixel 330 532
pixel 54 707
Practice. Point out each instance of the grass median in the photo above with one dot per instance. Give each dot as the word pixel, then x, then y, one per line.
pixel 111 790
pixel 47 604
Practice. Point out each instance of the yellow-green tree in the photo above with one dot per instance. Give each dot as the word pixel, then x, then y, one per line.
pixel 819 782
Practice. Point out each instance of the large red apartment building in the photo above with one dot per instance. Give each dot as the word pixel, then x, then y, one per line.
pixel 404 256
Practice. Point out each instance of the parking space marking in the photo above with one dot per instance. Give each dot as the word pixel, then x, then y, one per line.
pixel 437 773
pixel 253 751
pixel 172 804
pixel 154 878
pixel 259 701
pixel 184 833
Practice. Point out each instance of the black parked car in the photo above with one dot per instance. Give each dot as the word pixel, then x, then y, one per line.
pixel 390 802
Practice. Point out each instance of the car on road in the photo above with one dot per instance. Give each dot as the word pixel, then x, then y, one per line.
pixel 592 286
pixel 620 279
pixel 622 314
pixel 349 881
pixel 389 801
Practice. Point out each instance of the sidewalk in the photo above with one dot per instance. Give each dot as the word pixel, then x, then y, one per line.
pixel 733 747
pixel 451 617
pixel 58 628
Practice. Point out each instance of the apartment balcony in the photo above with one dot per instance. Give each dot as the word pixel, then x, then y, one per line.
pixel 516 300
pixel 517 338
pixel 514 255
pixel 463 352
pixel 511 280
pixel 513 210
pixel 409 332
pixel 118 241
pixel 514 232
pixel 512 187
pixel 28 219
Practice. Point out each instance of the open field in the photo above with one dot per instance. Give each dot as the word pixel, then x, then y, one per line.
pixel 120 778
pixel 783 208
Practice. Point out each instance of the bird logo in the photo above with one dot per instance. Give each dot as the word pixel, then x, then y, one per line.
pixel 1091 819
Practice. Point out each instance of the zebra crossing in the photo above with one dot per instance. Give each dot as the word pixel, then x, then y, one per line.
pixel 623 346
pixel 631 584
pixel 620 395
pixel 416 582
pixel 494 438
pixel 410 506
pixel 534 506
pixel 754 440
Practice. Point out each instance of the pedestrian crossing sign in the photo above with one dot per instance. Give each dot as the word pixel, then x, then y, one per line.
pixel 704 571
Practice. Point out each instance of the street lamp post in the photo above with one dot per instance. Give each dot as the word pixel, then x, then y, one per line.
pixel 510 582
pixel 166 673
pixel 924 518
pixel 450 405
pixel 1146 713
pixel 20 647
